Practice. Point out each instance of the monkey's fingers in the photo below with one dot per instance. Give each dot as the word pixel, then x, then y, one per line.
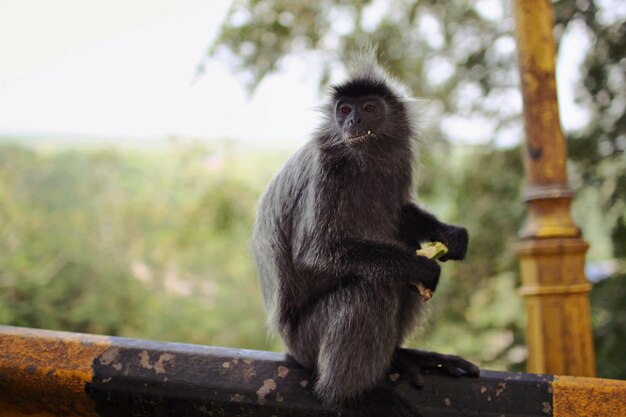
pixel 431 250
pixel 424 292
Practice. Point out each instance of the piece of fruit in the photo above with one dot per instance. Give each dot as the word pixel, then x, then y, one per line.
pixel 432 250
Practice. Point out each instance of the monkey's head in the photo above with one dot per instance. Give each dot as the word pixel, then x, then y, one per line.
pixel 368 107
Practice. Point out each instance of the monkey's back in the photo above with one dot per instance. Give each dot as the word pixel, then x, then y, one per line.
pixel 279 208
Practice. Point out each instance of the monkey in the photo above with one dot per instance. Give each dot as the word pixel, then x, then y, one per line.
pixel 335 237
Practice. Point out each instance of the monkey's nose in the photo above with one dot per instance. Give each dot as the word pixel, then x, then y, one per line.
pixel 356 120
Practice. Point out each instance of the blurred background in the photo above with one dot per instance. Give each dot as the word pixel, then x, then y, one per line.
pixel 136 138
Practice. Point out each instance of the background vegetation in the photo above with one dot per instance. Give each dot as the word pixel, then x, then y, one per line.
pixel 154 243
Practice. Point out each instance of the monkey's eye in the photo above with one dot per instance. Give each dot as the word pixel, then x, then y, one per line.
pixel 345 109
pixel 369 108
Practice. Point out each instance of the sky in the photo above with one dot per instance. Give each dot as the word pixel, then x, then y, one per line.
pixel 127 69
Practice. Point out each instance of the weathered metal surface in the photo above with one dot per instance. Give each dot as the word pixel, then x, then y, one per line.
pixel 552 252
pixel 589 397
pixel 84 375
pixel 48 373
pixel 545 150
pixel 545 154
pixel 45 373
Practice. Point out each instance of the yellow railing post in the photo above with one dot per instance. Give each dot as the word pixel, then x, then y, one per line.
pixel 551 250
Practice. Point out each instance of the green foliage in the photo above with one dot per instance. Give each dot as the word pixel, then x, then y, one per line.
pixel 142 244
pixel 609 322
pixel 597 151
pixel 462 62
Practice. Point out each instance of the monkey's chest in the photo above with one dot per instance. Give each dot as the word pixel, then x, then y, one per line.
pixel 369 216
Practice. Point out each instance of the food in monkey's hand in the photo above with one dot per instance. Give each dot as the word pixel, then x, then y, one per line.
pixel 431 250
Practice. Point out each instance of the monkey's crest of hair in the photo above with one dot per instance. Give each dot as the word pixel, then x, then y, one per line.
pixel 363 66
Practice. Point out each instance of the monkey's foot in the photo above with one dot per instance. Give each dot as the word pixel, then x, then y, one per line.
pixel 412 364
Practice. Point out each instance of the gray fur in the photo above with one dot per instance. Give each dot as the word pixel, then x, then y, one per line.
pixel 334 245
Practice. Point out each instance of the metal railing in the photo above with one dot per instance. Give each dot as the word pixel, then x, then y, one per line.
pixel 51 373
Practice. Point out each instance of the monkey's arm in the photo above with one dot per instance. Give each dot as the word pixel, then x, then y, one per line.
pixel 417 225
pixel 388 263
pixel 335 266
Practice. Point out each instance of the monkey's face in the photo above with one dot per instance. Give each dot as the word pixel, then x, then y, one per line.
pixel 360 119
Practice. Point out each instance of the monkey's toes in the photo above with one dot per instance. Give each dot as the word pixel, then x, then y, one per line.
pixel 406 369
pixel 416 362
pixel 450 364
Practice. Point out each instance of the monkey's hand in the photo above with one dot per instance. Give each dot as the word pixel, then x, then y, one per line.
pixel 428 279
pixel 431 250
pixel 455 238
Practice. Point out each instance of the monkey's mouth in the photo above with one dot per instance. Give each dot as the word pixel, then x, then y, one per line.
pixel 359 138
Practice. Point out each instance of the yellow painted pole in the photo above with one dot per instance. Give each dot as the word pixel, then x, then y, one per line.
pixel 551 250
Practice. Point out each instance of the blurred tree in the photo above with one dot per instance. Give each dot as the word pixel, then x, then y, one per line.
pixel 462 59
pixel 609 320
pixel 146 244
pixel 61 266
pixel 598 149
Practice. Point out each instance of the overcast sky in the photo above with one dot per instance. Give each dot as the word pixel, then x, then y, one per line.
pixel 127 68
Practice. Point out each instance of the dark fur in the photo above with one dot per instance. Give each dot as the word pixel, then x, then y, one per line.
pixel 335 244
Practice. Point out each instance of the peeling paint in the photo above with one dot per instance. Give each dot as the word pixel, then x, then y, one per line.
pixel 447 402
pixel 547 408
pixel 581 396
pixel 226 365
pixel 283 371
pixel 44 372
pixel 237 398
pixel 268 386
pixel 483 389
pixel 144 360
pixel 501 388
pixel 159 366
pixel 248 373
pixel 109 356
pixel 304 383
